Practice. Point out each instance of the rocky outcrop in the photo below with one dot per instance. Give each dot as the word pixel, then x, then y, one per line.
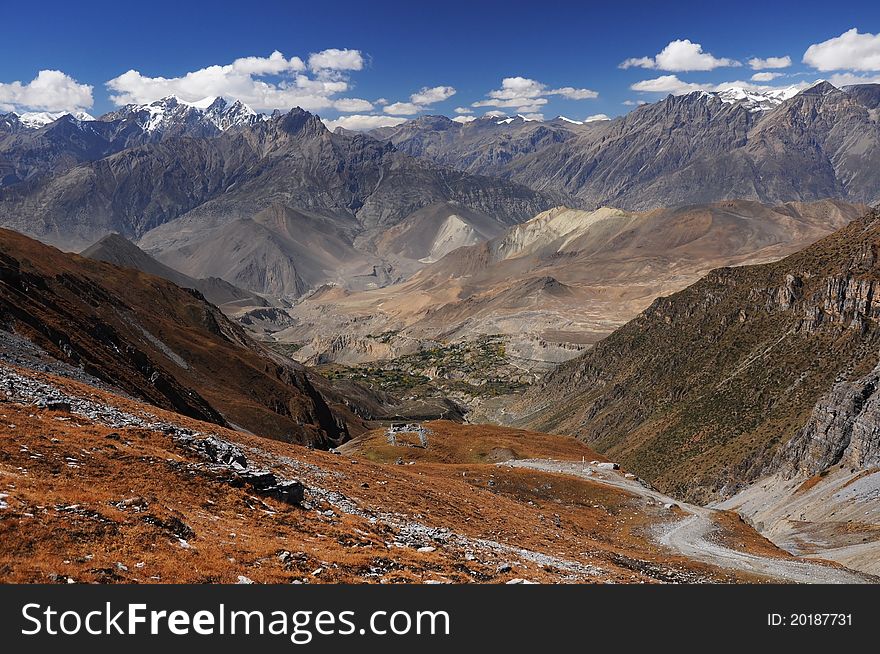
pixel 844 429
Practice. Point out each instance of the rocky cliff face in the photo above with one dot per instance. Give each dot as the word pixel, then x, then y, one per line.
pixel 844 428
pixel 701 391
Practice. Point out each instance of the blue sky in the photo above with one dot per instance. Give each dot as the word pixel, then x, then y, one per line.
pixel 557 57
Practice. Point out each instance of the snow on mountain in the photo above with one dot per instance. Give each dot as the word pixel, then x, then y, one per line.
pixel 37 119
pixel 569 120
pixel 506 120
pixel 756 100
pixel 211 113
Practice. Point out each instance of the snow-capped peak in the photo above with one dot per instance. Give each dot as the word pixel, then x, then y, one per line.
pixel 506 120
pixel 37 119
pixel 756 99
pixel 171 111
pixel 569 120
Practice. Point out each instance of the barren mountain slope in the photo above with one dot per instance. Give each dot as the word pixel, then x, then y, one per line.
pixel 120 251
pixel 178 194
pixel 700 392
pixel 214 505
pixel 556 283
pixel 153 340
pixel 696 148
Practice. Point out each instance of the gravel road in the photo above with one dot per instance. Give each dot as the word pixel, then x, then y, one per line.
pixel 691 535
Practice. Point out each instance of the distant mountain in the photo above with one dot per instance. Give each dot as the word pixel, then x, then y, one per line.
pixel 119 251
pixel 172 117
pixel 755 100
pixel 483 146
pixel 178 194
pixel 752 370
pixel 37 119
pixel 155 341
pixel 34 145
pixel 702 147
pixel 557 283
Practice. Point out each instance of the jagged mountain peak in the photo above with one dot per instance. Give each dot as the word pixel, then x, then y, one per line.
pixel 173 114
pixel 821 87
pixel 298 120
pixel 38 119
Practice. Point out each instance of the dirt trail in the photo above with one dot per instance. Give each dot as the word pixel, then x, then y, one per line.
pixel 691 535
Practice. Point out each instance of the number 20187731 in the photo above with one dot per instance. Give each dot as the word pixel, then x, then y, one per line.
pixel 809 620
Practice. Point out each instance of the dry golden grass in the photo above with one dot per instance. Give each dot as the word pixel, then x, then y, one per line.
pixel 451 442
pixel 229 531
pixel 810 483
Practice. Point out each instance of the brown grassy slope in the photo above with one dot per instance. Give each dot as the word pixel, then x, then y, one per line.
pixel 64 521
pixel 155 341
pixel 450 442
pixel 697 392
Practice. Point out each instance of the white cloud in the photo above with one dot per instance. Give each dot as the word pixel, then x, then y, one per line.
pixel 765 77
pixel 352 104
pixel 360 123
pixel 528 95
pixel 513 88
pixel 596 117
pixel 575 94
pixel 463 110
pixel 243 80
pixel 847 79
pixel 638 62
pixel 420 100
pixel 667 84
pixel 634 103
pixel 336 59
pixel 402 109
pixel 432 95
pixel 464 119
pixel 494 114
pixel 520 104
pixel 756 63
pixel 274 64
pixel 672 84
pixel 679 56
pixel 851 50
pixel 50 90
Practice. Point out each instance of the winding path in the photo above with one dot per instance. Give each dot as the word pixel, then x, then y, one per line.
pixel 689 536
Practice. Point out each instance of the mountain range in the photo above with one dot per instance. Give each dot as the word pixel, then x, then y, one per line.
pixel 175 195
pixel 278 205
pixel 688 290
pixel 555 284
pixel 700 147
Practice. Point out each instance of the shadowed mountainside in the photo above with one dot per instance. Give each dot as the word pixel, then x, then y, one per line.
pixel 155 341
